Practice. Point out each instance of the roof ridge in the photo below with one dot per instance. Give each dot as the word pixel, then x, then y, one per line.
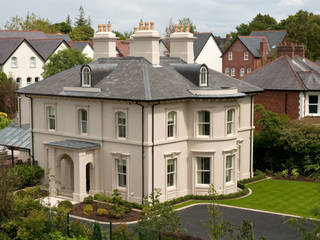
pixel 13 38
pixel 280 30
pixel 299 81
pixel 40 39
pixel 253 37
pixel 6 30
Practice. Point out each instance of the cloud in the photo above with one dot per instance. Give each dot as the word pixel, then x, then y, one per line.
pixel 292 2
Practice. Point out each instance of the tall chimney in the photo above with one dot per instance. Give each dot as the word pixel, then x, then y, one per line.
pixel 181 44
pixel 286 50
pixel 145 43
pixel 104 42
pixel 264 48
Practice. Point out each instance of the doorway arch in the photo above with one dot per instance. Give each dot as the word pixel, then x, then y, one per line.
pixel 66 173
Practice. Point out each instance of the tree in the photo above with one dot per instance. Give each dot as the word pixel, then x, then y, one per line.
pixel 82 33
pixel 63 27
pixel 4 120
pixel 185 21
pixel 63 60
pixel 7 181
pixel 8 99
pixel 169 28
pixel 304 27
pixel 123 36
pixel 81 21
pixel 68 20
pixel 3 77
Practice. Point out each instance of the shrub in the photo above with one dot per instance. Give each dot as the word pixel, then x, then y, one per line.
pixel 29 176
pixel 285 173
pixel 102 212
pixel 117 211
pixel 294 173
pixel 78 228
pixel 88 199
pixel 101 197
pixel 88 209
pixel 123 232
pixel 65 204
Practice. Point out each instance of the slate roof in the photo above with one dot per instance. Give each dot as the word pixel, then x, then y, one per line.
pixel 59 36
pixel 252 44
pixel 46 47
pixel 22 34
pixel 80 45
pixel 285 73
pixel 7 48
pixel 274 37
pixel 74 144
pixel 135 79
pixel 221 41
pixel 15 137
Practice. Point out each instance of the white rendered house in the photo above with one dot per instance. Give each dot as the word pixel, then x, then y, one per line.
pixel 142 122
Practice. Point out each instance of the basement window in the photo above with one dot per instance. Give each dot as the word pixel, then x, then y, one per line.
pixel 86 77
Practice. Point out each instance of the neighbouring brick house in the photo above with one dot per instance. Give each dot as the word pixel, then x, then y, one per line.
pixel 291 84
pixel 248 53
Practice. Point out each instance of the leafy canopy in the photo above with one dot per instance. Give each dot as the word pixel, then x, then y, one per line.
pixel 63 60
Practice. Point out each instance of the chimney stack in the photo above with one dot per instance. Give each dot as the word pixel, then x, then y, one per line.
pixel 145 43
pixel 181 43
pixel 291 50
pixel 264 48
pixel 104 42
pixel 299 50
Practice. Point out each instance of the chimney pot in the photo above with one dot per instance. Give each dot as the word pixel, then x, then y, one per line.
pixel 146 26
pixel 104 28
pixel 187 28
pixel 152 25
pixel 135 29
pixel 181 28
pixel 176 28
pixel 109 27
pixel 140 25
pixel 99 27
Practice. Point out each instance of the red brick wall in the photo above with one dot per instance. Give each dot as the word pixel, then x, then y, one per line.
pixel 275 101
pixel 237 61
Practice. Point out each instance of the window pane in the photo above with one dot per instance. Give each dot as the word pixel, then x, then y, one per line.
pixel 122 131
pixel 229 128
pixel 171 118
pixel 52 124
pixel 230 115
pixel 84 127
pixel 207 129
pixel 313 99
pixel 206 177
pixel 170 131
pixel 84 115
pixel 206 163
pixel 122 173
pixel 121 118
pixel 228 175
pixel 229 162
pixel 313 108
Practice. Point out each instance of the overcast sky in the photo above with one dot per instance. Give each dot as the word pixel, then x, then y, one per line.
pixel 217 16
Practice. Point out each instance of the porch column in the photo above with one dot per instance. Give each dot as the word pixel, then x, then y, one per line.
pixel 52 172
pixel 96 172
pixel 79 178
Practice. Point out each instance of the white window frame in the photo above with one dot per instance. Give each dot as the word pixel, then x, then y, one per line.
pixel 173 125
pixel 14 62
pixel 227 71
pixel 174 173
pixel 33 63
pixel 203 78
pixel 118 125
pixel 198 123
pixel 81 121
pixel 242 71
pixel 121 173
pixel 233 72
pixel 246 56
pixel 230 56
pixel 232 122
pixel 52 117
pixel 229 169
pixel 248 70
pixel 197 171
pixel 86 70
pixel 313 104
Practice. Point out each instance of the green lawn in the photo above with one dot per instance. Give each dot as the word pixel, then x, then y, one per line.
pixel 290 197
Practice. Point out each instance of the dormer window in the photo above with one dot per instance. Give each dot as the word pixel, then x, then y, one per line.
pixel 86 77
pixel 203 76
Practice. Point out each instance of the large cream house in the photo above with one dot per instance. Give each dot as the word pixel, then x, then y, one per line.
pixel 141 122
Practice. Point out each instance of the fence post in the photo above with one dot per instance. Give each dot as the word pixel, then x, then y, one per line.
pixel 68 222
pixel 110 230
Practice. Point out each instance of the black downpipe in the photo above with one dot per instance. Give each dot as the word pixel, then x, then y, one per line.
pixel 286 103
pixel 251 126
pixel 142 149
pixel 31 126
pixel 19 106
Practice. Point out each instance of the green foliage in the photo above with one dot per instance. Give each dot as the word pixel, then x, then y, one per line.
pixel 66 205
pixel 63 27
pixel 97 232
pixel 3 77
pixel 117 208
pixel 101 197
pixel 80 20
pixel 157 217
pixel 123 36
pixel 301 225
pixel 60 236
pixel 7 182
pixel 78 228
pixel 4 120
pixel 88 209
pixel 8 99
pixel 88 199
pixel 185 21
pixel 285 173
pixel 102 212
pixel 294 173
pixel 28 175
pixel 63 60
pixel 122 232
pixel 82 33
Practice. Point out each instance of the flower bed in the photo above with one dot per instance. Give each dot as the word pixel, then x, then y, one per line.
pixel 100 215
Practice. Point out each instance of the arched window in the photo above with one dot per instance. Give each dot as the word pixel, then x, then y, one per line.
pixel 86 77
pixel 36 79
pixel 172 116
pixel 230 121
pixel 14 62
pixel 32 62
pixel 203 76
pixel 28 80
pixel 204 123
pixel 121 124
pixel 83 120
pixel 18 81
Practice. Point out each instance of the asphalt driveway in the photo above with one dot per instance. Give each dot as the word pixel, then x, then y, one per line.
pixel 270 226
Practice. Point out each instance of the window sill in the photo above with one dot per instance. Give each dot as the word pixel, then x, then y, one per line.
pixel 206 186
pixel 122 189
pixel 171 188
pixel 51 130
pixel 229 184
pixel 121 138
